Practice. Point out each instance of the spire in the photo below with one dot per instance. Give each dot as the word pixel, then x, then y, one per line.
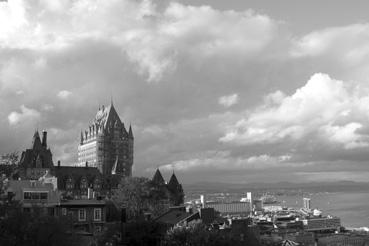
pixel 81 137
pixel 36 141
pixel 130 133
pixel 158 178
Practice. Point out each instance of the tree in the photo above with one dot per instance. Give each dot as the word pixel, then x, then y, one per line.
pixel 18 228
pixel 8 163
pixel 140 195
pixel 201 235
pixel 9 158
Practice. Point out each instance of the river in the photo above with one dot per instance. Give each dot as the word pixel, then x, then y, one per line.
pixel 351 207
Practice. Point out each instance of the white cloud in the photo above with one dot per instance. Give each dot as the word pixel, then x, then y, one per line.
pixel 228 101
pixel 327 109
pixel 64 94
pixel 153 39
pixel 346 44
pixel 222 160
pixel 25 116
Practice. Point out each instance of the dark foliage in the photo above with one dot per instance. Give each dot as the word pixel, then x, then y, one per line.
pixel 19 228
pixel 200 235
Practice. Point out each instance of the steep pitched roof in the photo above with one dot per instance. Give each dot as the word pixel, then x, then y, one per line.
pixel 130 134
pixel 173 182
pixel 36 141
pixel 105 115
pixel 158 178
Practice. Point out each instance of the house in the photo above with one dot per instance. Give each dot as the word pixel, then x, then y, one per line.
pixel 87 215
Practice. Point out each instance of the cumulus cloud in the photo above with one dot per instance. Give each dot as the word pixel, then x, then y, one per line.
pixel 228 101
pixel 352 48
pixel 64 94
pixel 152 39
pixel 25 116
pixel 326 108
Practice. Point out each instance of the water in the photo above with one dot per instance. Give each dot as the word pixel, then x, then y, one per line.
pixel 352 208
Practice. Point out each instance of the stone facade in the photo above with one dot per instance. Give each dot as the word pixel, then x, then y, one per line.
pixel 107 145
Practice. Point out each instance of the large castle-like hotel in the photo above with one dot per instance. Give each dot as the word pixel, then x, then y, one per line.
pixel 106 144
pixel 105 154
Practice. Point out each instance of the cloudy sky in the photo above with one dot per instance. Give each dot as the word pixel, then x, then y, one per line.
pixel 225 91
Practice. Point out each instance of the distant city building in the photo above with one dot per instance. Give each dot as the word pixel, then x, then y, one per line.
pixel 322 224
pixel 106 144
pixel 234 209
pixel 37 160
pixel 307 203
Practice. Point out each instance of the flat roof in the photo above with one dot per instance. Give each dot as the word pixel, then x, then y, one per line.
pixel 83 202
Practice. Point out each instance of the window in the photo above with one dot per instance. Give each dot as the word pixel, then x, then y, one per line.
pixel 82 215
pixel 97 214
pixel 43 195
pixel 26 195
pixel 64 211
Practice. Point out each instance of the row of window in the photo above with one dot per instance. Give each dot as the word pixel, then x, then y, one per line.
pixel 82 214
pixel 31 195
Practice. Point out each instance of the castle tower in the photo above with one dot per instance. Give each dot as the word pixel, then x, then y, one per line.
pixel 37 160
pixel 176 191
pixel 106 144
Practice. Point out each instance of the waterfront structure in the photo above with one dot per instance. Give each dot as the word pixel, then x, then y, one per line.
pixel 106 144
pixel 307 203
pixel 234 209
pixel 322 224
pixel 37 160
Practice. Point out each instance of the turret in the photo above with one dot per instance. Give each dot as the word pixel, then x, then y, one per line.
pixel 81 137
pixel 158 178
pixel 36 141
pixel 130 133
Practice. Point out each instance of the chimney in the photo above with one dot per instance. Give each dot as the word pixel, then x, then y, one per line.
pixel 89 193
pixel 44 139
pixel 59 163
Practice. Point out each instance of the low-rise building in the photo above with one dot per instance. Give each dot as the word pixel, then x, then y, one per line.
pixel 322 223
pixel 34 194
pixel 84 215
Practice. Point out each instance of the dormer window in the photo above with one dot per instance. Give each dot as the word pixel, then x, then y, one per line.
pixel 69 184
pixel 83 184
